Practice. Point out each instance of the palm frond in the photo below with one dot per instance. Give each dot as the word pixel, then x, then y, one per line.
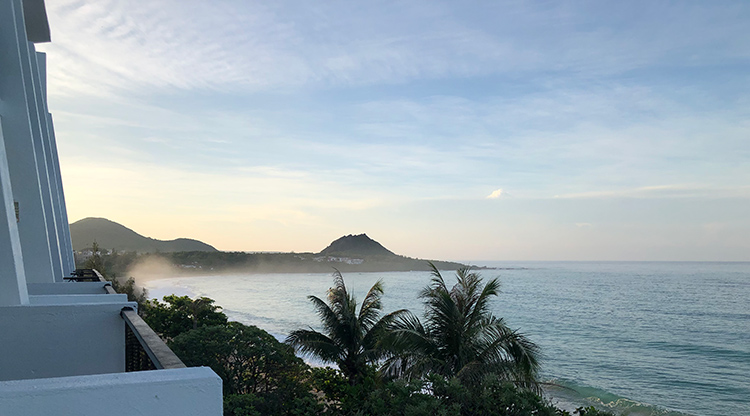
pixel 481 307
pixel 381 329
pixel 311 342
pixel 371 305
pixel 328 316
pixel 460 336
pixel 352 338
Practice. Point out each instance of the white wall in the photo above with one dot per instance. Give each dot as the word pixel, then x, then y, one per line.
pixel 183 391
pixel 77 299
pixel 41 341
pixel 21 126
pixel 13 289
pixel 67 288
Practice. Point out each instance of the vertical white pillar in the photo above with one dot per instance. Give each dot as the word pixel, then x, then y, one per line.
pixel 18 134
pixel 53 166
pixel 45 163
pixel 63 225
pixel 12 278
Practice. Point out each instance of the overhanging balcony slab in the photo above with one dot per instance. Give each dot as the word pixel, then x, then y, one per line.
pixel 76 299
pixel 41 341
pixel 185 391
pixel 67 288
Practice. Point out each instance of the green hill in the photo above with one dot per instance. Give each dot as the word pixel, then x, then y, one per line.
pixel 350 253
pixel 363 254
pixel 111 235
pixel 356 245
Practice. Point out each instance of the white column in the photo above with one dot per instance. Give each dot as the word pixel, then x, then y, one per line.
pixel 58 196
pixel 45 165
pixel 12 278
pixel 15 82
pixel 63 224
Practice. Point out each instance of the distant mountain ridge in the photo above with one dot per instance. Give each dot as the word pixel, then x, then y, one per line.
pixel 362 253
pixel 350 253
pixel 356 245
pixel 111 235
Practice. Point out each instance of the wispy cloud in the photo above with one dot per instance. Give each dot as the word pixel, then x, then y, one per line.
pixel 296 114
pixel 497 193
pixel 665 191
pixel 109 45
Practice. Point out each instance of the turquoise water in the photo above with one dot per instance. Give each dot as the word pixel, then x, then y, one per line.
pixel 645 338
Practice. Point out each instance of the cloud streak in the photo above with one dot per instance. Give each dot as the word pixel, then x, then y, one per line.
pixel 665 191
pixel 257 46
pixel 497 193
pixel 325 111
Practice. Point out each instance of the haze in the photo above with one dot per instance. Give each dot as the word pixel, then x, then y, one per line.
pixel 452 130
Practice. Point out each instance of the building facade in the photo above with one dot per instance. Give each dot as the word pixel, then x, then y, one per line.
pixel 63 344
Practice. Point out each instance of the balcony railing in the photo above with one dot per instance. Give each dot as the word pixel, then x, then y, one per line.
pixel 144 349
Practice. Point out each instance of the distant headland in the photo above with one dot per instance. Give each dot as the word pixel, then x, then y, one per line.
pixel 113 236
pixel 125 250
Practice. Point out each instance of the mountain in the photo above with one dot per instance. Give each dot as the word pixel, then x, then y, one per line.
pixel 363 254
pixel 356 245
pixel 111 235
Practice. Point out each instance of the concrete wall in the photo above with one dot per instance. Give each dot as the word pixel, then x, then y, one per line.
pixel 76 299
pixel 40 341
pixel 13 289
pixel 29 166
pixel 22 131
pixel 66 243
pixel 184 392
pixel 67 288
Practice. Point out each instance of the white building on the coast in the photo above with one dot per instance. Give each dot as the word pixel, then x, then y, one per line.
pixel 63 348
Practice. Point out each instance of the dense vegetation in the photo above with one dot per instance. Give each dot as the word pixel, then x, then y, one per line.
pixel 460 360
pixel 358 245
pixel 351 253
pixel 460 337
pixel 111 234
pixel 351 340
pixel 218 262
pixel 104 264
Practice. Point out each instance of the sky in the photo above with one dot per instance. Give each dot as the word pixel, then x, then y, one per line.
pixel 477 130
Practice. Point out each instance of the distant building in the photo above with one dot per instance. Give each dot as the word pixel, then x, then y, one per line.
pixel 334 259
pixel 63 347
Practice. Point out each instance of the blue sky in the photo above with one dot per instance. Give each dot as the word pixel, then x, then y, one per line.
pixel 475 130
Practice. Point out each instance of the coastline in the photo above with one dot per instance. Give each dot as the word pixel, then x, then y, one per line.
pixel 612 325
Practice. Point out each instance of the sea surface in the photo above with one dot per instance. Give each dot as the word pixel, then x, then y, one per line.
pixel 640 338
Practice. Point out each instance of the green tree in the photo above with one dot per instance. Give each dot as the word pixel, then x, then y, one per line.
pixel 95 261
pixel 181 314
pixel 350 339
pixel 433 395
pixel 260 374
pixel 460 337
pixel 104 264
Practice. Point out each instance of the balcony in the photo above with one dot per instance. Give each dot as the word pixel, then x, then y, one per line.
pixel 80 348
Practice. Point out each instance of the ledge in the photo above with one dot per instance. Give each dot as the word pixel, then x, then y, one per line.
pixel 183 391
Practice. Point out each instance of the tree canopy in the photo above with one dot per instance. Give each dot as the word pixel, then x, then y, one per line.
pixel 180 314
pixel 350 339
pixel 460 337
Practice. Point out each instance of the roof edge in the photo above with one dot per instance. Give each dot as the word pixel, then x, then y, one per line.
pixel 35 18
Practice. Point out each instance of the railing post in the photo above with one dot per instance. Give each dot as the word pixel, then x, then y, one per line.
pixel 159 353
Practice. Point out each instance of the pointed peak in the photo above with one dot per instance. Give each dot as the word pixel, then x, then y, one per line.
pixel 356 245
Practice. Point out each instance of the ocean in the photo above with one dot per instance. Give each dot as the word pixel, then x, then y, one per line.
pixel 639 338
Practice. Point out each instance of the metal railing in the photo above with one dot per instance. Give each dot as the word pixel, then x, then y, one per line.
pixel 85 275
pixel 149 352
pixel 144 349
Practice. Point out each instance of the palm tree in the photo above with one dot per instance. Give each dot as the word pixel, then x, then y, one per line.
pixel 350 339
pixel 460 336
